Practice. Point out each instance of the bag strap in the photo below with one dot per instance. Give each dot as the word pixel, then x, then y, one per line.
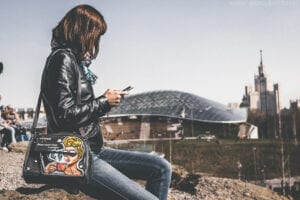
pixel 38 106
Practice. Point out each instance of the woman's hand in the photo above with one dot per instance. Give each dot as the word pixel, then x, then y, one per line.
pixel 51 167
pixel 114 96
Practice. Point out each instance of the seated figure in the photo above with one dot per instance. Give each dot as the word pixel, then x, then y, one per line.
pixel 8 120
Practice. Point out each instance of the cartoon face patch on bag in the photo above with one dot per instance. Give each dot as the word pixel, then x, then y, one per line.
pixel 66 160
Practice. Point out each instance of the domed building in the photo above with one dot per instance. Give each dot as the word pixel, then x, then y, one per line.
pixel 170 114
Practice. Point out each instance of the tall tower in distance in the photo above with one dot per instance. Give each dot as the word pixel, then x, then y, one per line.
pixel 265 96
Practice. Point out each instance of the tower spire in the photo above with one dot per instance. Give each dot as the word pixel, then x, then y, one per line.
pixel 261 58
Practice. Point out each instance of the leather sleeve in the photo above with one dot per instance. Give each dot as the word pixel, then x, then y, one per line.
pixel 62 79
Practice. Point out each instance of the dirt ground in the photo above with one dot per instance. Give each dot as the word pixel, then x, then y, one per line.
pixel 184 185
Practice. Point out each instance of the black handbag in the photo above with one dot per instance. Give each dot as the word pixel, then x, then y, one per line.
pixel 57 157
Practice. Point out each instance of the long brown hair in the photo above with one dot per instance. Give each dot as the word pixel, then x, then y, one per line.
pixel 80 29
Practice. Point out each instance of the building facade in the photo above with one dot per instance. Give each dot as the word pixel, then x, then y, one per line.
pixel 265 96
pixel 169 114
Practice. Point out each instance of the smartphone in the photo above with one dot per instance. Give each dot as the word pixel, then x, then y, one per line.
pixel 127 89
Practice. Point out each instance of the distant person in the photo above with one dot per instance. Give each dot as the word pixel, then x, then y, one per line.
pixel 13 121
pixel 1 124
pixel 9 114
pixel 6 135
pixel 8 118
pixel 75 44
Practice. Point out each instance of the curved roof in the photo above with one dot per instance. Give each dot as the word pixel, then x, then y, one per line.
pixel 177 104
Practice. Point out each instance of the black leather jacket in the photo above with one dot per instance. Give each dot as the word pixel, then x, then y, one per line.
pixel 59 89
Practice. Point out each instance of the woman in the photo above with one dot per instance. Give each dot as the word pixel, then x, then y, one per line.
pixel 75 43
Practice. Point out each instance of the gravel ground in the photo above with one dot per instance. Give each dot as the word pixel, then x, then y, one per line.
pixel 11 170
pixel 13 187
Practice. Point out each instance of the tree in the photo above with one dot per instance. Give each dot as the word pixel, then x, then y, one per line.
pixel 266 123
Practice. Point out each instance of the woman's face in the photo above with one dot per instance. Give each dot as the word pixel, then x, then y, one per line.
pixel 72 156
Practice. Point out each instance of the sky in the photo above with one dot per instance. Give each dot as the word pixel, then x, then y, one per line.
pixel 209 48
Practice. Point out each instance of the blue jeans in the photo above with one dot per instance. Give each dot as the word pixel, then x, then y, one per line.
pixel 113 170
